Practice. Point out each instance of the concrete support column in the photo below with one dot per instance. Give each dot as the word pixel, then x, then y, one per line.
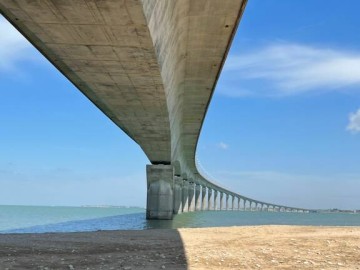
pixel 227 201
pixel 203 198
pixel 215 200
pixel 160 195
pixel 238 208
pixel 191 190
pixel 185 196
pixel 232 202
pixel 221 200
pixel 197 197
pixel 210 203
pixel 178 181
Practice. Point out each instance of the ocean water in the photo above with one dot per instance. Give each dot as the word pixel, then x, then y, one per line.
pixel 40 219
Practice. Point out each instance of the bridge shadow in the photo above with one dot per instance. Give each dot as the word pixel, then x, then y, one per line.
pixel 103 249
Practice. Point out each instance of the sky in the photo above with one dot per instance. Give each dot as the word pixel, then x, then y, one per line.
pixel 283 125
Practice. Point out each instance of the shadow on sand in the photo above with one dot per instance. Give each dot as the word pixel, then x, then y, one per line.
pixel 110 249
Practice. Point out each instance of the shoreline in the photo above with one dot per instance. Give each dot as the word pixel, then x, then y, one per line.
pixel 235 247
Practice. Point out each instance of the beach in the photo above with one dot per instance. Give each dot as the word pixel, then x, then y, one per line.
pixel 243 247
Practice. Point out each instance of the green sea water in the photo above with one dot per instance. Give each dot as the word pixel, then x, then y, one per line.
pixel 39 219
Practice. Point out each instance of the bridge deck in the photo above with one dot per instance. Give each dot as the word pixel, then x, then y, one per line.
pixel 151 66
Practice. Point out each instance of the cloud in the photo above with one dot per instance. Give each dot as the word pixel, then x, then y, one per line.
pixel 13 47
pixel 354 122
pixel 223 146
pixel 286 69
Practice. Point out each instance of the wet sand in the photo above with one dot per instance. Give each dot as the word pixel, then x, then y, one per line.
pixel 253 247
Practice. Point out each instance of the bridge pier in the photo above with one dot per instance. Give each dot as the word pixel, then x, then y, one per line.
pixel 227 202
pixel 203 198
pixel 232 202
pixel 215 200
pixel 221 200
pixel 185 196
pixel 210 203
pixel 191 200
pixel 197 197
pixel 160 195
pixel 178 181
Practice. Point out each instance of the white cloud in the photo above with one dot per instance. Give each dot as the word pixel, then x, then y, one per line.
pixel 354 122
pixel 13 46
pixel 288 69
pixel 223 145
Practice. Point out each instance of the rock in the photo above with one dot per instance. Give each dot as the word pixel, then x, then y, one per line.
pixel 71 267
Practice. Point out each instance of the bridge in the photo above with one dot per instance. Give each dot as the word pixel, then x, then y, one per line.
pixel 151 66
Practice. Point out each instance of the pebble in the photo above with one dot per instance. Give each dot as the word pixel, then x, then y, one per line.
pixel 163 267
pixel 71 267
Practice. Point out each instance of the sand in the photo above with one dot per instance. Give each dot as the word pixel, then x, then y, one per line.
pixel 253 247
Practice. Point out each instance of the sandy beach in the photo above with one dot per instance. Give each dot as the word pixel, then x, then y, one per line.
pixel 252 247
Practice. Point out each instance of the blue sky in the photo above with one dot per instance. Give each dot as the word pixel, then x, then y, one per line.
pixel 283 126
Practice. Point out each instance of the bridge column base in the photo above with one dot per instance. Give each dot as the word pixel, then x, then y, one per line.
pixel 160 195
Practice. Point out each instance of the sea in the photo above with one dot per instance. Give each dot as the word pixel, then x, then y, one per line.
pixel 42 219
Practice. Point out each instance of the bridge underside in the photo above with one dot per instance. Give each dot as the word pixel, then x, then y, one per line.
pixel 151 66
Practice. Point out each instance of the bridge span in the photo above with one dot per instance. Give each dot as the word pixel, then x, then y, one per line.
pixel 151 66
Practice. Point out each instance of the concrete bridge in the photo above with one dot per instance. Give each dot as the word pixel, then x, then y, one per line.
pixel 151 66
